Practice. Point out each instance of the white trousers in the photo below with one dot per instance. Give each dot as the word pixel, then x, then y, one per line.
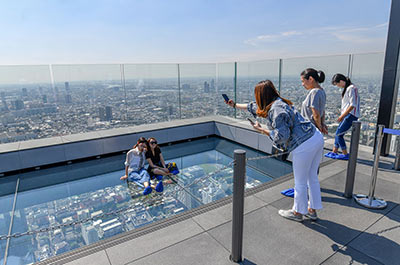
pixel 306 159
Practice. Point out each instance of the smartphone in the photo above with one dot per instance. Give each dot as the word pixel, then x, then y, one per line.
pixel 251 121
pixel 225 97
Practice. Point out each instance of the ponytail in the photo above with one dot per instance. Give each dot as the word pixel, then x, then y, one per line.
pixel 319 76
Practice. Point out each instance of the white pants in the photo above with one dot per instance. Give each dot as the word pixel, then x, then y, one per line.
pixel 306 159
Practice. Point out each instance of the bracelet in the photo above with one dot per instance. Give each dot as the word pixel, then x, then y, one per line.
pixel 234 105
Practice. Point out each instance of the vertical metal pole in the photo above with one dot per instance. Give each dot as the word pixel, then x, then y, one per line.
pixel 351 165
pixel 369 200
pixel 179 92
pixel 350 66
pixel 391 75
pixel 239 176
pixel 397 160
pixel 280 76
pixel 122 69
pixel 235 86
pixel 376 163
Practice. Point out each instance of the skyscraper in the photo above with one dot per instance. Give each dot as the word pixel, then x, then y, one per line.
pixel 108 113
pixel 18 104
pixel 67 89
pixel 68 99
pixel 206 87
pixel 102 113
pixel 24 92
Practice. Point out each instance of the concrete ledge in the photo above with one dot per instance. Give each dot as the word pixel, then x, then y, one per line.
pixel 40 152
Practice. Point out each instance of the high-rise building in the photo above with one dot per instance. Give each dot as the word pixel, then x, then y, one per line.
pixel 108 113
pixel 24 92
pixel 212 85
pixel 90 234
pixel 44 98
pixel 68 99
pixel 3 100
pixel 18 104
pixel 67 89
pixel 206 87
pixel 102 114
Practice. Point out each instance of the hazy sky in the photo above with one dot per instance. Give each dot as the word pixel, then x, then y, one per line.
pixel 116 31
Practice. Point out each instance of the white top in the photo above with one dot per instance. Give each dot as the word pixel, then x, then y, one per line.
pixel 351 98
pixel 135 160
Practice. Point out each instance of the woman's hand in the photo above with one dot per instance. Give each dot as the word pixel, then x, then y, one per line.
pixel 257 126
pixel 324 129
pixel 230 103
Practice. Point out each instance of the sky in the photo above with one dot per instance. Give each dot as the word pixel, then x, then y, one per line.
pixel 191 31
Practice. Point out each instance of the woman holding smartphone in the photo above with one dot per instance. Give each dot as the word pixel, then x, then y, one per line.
pixel 288 130
pixel 155 159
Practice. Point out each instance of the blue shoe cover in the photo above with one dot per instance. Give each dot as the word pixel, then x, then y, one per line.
pixel 175 171
pixel 159 177
pixel 288 192
pixel 147 190
pixel 331 155
pixel 160 187
pixel 343 157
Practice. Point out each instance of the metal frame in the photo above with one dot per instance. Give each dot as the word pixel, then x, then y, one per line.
pixel 391 73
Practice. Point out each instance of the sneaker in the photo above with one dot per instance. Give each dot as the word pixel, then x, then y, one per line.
pixel 289 214
pixel 160 187
pixel 147 190
pixel 313 216
pixel 288 192
pixel 343 157
pixel 331 155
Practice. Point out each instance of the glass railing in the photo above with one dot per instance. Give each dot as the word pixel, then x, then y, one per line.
pixel 58 100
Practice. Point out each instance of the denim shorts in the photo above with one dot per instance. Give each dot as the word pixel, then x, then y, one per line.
pixel 139 177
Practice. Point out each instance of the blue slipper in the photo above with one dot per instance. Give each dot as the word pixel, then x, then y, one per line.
pixel 159 187
pixel 288 192
pixel 175 171
pixel 331 155
pixel 343 157
pixel 159 177
pixel 147 190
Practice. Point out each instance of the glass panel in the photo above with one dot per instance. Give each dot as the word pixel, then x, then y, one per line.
pixel 89 98
pixel 198 94
pixel 293 90
pixel 225 85
pixel 27 107
pixel 152 93
pixel 367 72
pixel 249 74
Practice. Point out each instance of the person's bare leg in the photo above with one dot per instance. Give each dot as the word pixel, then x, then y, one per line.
pixel 124 177
pixel 344 151
pixel 335 150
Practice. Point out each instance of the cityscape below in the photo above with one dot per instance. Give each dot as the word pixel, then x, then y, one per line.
pixel 39 111
pixel 203 178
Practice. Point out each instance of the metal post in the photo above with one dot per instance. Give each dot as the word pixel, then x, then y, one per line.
pixel 234 87
pixel 397 160
pixel 280 76
pixel 239 176
pixel 179 92
pixel 391 75
pixel 370 201
pixel 351 166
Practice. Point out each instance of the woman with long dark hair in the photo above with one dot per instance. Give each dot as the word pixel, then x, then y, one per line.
pixel 134 167
pixel 289 131
pixel 313 107
pixel 350 111
pixel 155 159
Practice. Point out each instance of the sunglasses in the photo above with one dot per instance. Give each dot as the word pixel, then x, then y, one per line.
pixel 153 142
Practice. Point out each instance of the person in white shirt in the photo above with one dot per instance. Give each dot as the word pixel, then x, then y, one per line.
pixel 350 111
pixel 134 167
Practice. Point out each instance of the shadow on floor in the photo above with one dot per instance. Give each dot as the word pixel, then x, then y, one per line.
pixel 370 244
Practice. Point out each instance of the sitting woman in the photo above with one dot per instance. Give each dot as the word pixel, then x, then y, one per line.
pixel 156 161
pixel 134 167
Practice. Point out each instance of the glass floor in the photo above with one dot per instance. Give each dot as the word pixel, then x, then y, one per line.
pixel 92 189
